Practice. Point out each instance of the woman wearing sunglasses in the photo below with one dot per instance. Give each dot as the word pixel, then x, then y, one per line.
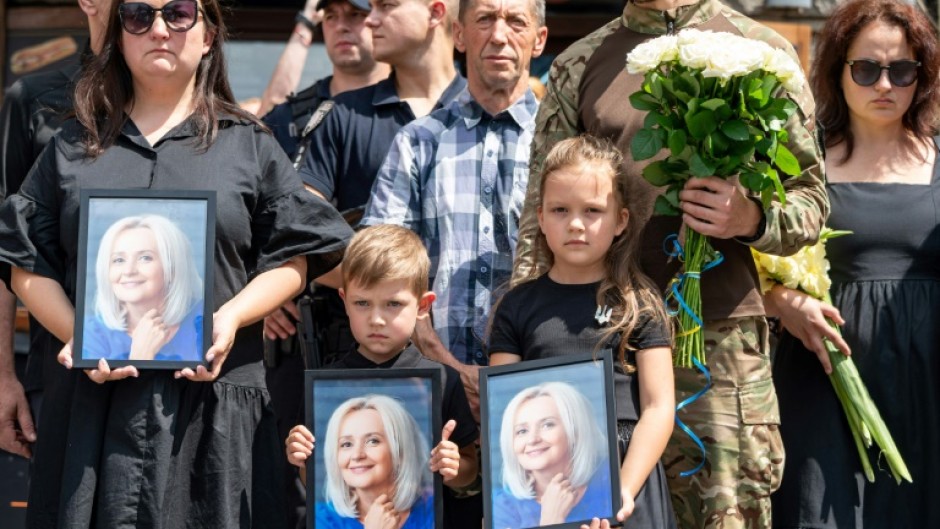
pixel 194 448
pixel 876 80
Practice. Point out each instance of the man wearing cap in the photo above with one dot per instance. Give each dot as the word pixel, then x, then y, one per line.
pixel 348 45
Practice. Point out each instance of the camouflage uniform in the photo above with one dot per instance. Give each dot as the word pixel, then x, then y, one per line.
pixel 738 419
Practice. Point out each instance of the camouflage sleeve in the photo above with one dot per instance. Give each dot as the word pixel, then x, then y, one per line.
pixel 556 120
pixel 796 223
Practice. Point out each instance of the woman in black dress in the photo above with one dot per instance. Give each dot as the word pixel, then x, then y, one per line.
pixel 877 83
pixel 195 448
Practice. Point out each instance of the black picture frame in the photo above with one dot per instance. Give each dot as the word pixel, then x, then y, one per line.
pixel 417 390
pixel 192 215
pixel 591 376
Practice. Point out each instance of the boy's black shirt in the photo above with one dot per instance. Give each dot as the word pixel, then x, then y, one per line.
pixel 454 404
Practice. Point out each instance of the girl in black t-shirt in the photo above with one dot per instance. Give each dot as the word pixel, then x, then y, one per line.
pixel 592 297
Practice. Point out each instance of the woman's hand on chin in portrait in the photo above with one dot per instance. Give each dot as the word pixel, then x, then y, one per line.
pixel 224 326
pixel 103 373
pixel 558 500
pixel 381 514
pixel 149 336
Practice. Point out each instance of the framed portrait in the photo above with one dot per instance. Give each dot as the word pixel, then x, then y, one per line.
pixel 549 433
pixel 144 294
pixel 374 430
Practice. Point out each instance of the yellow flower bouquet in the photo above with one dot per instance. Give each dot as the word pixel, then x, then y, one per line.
pixel 808 271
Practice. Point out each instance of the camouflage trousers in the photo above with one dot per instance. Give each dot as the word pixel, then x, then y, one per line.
pixel 738 420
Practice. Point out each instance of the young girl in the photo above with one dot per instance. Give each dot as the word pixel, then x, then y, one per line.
pixel 594 297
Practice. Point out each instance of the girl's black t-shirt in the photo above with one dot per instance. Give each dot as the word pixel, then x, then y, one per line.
pixel 545 319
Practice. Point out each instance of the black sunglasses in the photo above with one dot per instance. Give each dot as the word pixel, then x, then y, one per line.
pixel 179 16
pixel 866 72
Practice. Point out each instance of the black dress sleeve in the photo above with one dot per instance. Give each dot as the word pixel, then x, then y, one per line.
pixel 15 150
pixel 290 221
pixel 505 334
pixel 29 220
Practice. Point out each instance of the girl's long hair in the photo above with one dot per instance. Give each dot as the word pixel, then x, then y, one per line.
pixel 632 296
pixel 105 88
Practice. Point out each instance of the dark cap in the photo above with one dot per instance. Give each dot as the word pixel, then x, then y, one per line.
pixel 361 4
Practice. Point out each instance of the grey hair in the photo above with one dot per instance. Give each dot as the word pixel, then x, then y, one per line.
pixel 586 442
pixel 538 7
pixel 407 444
pixel 181 281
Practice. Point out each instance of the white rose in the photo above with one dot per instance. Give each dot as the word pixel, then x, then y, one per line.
pixel 729 61
pixel 695 47
pixel 786 69
pixel 652 53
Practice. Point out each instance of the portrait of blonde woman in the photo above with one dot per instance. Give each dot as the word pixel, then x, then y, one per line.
pixel 555 462
pixel 376 464
pixel 148 296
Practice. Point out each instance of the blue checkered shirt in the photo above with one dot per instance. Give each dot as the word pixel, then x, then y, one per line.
pixel 457 178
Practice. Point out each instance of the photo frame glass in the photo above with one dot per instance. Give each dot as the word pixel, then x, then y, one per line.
pixel 367 423
pixel 144 294
pixel 548 418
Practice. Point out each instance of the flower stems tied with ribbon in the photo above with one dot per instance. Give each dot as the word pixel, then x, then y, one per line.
pixel 716 105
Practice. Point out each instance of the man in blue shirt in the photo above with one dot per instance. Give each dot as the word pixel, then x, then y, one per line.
pixel 347 149
pixel 458 178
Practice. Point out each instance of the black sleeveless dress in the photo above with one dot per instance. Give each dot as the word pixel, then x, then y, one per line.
pixel 886 283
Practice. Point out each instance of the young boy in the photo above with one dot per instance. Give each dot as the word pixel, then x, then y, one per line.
pixel 385 293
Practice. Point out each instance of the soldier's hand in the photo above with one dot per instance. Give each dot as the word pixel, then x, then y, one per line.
pixel 14 410
pixel 279 324
pixel 718 208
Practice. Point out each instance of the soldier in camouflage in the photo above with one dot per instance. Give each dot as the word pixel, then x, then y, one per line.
pixel 738 418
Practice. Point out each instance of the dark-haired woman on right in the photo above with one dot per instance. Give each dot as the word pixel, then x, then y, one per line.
pixel 876 80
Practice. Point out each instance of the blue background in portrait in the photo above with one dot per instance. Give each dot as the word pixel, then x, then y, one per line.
pixel 190 216
pixel 414 393
pixel 586 377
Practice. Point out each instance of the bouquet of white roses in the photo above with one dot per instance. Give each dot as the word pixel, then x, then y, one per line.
pixel 808 272
pixel 718 103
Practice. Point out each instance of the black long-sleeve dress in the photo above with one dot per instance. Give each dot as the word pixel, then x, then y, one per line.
pixel 155 451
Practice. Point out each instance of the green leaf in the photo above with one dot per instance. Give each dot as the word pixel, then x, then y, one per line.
pixel 657 174
pixel 663 207
pixel 752 181
pixel 719 144
pixel 690 84
pixel 699 166
pixel 654 118
pixel 714 104
pixel 656 85
pixel 786 161
pixel 645 144
pixel 778 185
pixel 701 124
pixel 736 130
pixel 643 101
pixel 677 141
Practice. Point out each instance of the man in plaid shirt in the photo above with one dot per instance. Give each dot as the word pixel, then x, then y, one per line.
pixel 458 177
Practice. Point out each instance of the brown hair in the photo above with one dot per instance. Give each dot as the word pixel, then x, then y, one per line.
pixel 626 289
pixel 387 253
pixel 105 88
pixel 838 34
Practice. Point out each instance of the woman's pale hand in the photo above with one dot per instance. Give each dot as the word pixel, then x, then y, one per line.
pixel 150 335
pixel 224 326
pixel 558 500
pixel 103 373
pixel 381 514
pixel 804 317
pixel 300 444
pixel 445 457
pixel 597 523
pixel 627 509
